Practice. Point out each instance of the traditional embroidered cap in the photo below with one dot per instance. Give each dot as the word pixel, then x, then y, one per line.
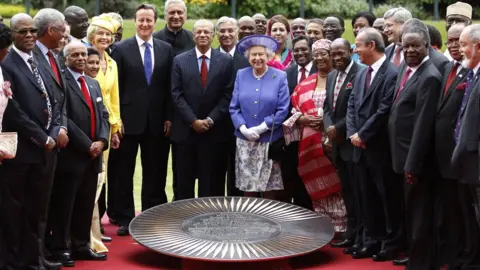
pixel 460 8
pixel 257 40
pixel 321 44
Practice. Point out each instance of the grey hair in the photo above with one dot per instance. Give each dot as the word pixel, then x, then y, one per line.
pixel 17 18
pixel 473 32
pixel 226 19
pixel 267 50
pixel 400 15
pixel 69 46
pixel 173 2
pixel 47 17
pixel 418 27
pixel 203 22
pixel 372 34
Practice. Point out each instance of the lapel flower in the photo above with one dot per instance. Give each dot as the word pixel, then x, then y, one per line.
pixel 349 86
pixel 7 90
pixel 461 87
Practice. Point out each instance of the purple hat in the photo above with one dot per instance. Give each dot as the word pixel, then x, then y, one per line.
pixel 257 40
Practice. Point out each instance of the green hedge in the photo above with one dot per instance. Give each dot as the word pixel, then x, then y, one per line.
pixel 7 11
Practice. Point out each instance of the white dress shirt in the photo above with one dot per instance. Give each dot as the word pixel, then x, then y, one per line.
pixel 141 47
pixel 308 67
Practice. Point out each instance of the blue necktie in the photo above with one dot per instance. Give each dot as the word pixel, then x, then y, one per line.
pixel 464 104
pixel 147 62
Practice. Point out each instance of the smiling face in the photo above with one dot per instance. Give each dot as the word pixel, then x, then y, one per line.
pixel 414 49
pixel 258 57
pixel 332 28
pixel 279 32
pixel 175 16
pixel 301 53
pixel 102 38
pixel 314 31
pixel 92 65
pixel 227 35
pixel 24 35
pixel 145 23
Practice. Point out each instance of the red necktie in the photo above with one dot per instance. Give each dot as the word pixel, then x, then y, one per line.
pixel 402 83
pixel 303 76
pixel 53 64
pixel 397 56
pixel 204 71
pixel 87 97
pixel 451 77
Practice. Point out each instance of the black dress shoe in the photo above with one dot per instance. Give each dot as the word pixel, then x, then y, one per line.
pixel 87 254
pixel 106 239
pixel 64 258
pixel 384 255
pixel 352 249
pixel 401 262
pixel 48 265
pixel 123 231
pixel 346 243
pixel 365 252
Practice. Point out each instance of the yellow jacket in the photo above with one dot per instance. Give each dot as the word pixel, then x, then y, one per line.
pixel 109 85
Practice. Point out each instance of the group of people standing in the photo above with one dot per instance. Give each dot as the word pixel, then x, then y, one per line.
pixel 380 136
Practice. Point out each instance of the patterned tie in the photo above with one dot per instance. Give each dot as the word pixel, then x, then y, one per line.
pixel 44 90
pixel 204 71
pixel 451 77
pixel 303 76
pixel 147 62
pixel 464 104
pixel 397 57
pixel 87 97
pixel 368 78
pixel 53 65
pixel 403 82
pixel 341 79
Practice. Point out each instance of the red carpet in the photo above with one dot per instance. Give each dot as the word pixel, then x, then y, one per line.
pixel 126 254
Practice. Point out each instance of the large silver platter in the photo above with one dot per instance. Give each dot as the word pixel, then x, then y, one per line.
pixel 231 229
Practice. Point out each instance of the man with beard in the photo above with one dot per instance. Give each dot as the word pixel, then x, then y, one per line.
pixel 261 23
pixel 77 18
pixel 35 115
pixel 246 27
pixel 458 12
pixel 448 192
pixel 226 29
pixel 378 24
pixel 394 19
pixel 465 159
pixel 411 128
pixel 367 116
pixel 339 86
pixel 303 67
pixel 173 33
pixel 298 27
pixel 333 27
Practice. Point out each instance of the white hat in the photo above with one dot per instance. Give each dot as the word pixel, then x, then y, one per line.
pixel 460 8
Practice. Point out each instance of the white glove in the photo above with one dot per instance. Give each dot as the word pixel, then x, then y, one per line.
pixel 260 129
pixel 249 133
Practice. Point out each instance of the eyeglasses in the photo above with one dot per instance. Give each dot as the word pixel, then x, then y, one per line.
pixel 25 31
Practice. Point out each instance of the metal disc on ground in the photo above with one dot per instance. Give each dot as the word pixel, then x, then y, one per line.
pixel 231 229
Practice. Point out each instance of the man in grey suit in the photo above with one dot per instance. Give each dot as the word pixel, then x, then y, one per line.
pixel 202 80
pixel 465 159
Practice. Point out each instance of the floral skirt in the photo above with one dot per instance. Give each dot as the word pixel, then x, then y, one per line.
pixel 253 170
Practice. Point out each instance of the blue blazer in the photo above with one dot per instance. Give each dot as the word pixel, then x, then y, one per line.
pixel 255 101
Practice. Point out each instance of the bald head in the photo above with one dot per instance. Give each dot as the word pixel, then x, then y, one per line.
pixel 246 27
pixel 298 27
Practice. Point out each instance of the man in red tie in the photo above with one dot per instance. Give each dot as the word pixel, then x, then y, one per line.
pixel 79 164
pixel 411 128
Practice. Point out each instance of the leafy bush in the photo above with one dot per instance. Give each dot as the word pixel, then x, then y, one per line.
pixel 345 9
pixel 7 11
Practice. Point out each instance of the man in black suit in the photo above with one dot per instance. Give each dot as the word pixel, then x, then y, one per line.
pixel 411 127
pixel 73 196
pixel 226 29
pixel 144 68
pixel 394 19
pixel 339 86
pixel 465 158
pixel 367 115
pixel 173 33
pixel 448 192
pixel 35 115
pixel 202 81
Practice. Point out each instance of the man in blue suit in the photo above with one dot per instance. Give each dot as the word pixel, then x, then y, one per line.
pixel 202 81
pixel 367 116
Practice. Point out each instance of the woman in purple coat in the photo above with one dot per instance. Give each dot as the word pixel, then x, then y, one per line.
pixel 259 106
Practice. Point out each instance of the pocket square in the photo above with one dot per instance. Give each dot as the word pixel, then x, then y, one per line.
pixel 99 99
pixel 461 87
pixel 349 86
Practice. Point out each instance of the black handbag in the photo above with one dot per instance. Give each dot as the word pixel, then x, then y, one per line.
pixel 276 149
